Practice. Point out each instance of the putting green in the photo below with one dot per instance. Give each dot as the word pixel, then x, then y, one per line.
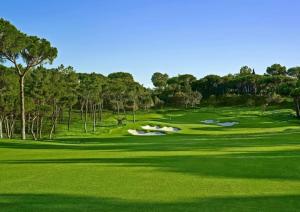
pixel 252 166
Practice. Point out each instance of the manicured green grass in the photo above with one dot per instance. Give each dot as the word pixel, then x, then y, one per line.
pixel 253 166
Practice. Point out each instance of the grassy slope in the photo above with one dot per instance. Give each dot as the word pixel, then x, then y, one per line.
pixel 250 167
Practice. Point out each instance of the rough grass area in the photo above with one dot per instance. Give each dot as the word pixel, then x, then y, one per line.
pixel 252 166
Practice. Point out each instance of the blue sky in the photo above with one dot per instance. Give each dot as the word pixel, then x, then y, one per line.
pixel 199 37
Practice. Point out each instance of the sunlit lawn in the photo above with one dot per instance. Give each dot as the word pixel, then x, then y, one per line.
pixel 253 166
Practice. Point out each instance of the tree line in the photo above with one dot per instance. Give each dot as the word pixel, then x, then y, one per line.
pixel 53 95
pixel 243 88
pixel 35 99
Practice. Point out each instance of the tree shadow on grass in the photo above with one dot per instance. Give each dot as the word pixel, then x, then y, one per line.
pixel 63 202
pixel 174 142
pixel 280 165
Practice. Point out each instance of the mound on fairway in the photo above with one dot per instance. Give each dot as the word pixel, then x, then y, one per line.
pixel 163 129
pixel 143 133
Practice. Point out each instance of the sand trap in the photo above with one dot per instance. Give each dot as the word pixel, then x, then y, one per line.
pixel 227 124
pixel 223 124
pixel 163 129
pixel 143 133
pixel 209 121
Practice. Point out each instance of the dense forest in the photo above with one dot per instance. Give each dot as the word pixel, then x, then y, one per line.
pixel 34 99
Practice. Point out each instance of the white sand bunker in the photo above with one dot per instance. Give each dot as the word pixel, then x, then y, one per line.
pixel 227 124
pixel 162 129
pixel 143 133
pixel 209 121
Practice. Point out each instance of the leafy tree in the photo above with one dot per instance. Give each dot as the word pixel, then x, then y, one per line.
pixel 8 101
pixel 159 80
pixel 145 99
pixel 96 96
pixel 245 70
pixel 134 90
pixel 38 94
pixel 209 85
pixel 91 94
pixel 294 72
pixel 292 89
pixel 158 102
pixel 32 50
pixel 56 99
pixel 272 98
pixel 276 69
pixel 296 95
pixel 195 98
pixel 121 75
pixel 85 88
pixel 71 85
pixel 116 94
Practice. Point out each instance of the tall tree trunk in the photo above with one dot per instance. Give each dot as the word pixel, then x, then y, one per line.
pixel 37 125
pixel 55 115
pixel 32 128
pixel 51 131
pixel 56 119
pixel 94 118
pixel 53 127
pixel 85 116
pixel 91 109
pixel 118 108
pixel 7 128
pixel 95 113
pixel 1 127
pixel 22 107
pixel 12 126
pixel 81 110
pixel 69 117
pixel 100 112
pixel 41 127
